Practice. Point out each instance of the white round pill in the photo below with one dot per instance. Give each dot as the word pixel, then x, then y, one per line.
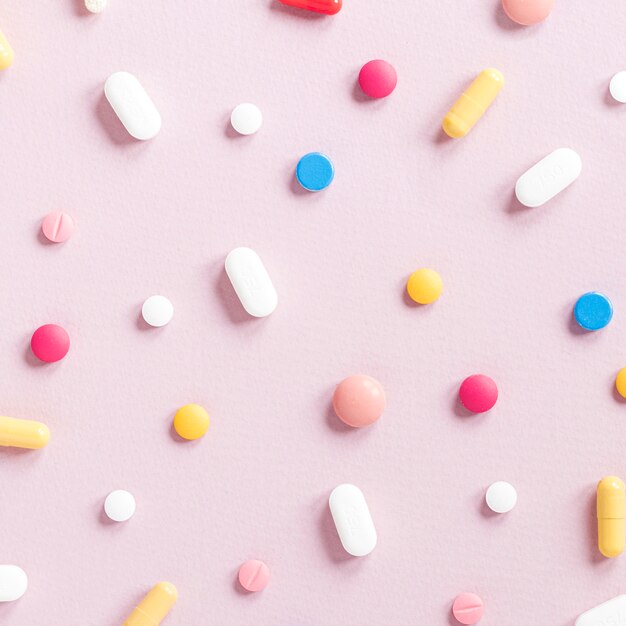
pixel 246 118
pixel 617 86
pixel 96 6
pixel 120 505
pixel 13 583
pixel 501 497
pixel 157 311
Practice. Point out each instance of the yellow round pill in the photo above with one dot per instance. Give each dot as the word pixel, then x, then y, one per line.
pixel 191 421
pixel 424 286
pixel 620 382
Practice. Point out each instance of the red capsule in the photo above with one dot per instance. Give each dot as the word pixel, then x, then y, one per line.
pixel 329 7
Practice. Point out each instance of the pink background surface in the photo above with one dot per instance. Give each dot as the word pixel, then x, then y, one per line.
pixel 159 217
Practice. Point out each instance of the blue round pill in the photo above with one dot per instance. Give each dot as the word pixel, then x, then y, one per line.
pixel 315 171
pixel 593 311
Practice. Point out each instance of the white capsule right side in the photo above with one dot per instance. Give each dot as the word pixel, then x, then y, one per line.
pixel 353 520
pixel 13 583
pixel 548 177
pixel 610 612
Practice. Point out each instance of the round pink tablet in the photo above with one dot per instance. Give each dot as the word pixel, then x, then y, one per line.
pixel 378 79
pixel 57 226
pixel 50 343
pixel 254 575
pixel 478 393
pixel 359 400
pixel 468 608
pixel 527 12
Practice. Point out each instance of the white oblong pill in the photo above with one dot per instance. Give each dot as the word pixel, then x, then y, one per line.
pixel 251 282
pixel 548 177
pixel 132 105
pixel 353 521
pixel 611 613
pixel 13 583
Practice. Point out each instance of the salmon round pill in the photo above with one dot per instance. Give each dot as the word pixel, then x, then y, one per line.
pixel 254 575
pixel 593 311
pixel 501 497
pixel 246 118
pixel 120 505
pixel 424 286
pixel 57 226
pixel 157 311
pixel 315 171
pixel 468 608
pixel 620 382
pixel 527 12
pixel 478 393
pixel 191 421
pixel 50 343
pixel 359 400
pixel 378 78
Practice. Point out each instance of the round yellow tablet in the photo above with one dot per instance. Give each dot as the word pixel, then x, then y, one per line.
pixel 191 421
pixel 424 286
pixel 620 382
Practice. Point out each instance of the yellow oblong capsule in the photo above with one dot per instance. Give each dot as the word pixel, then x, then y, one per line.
pixel 155 606
pixel 611 504
pixel 23 433
pixel 6 53
pixel 473 103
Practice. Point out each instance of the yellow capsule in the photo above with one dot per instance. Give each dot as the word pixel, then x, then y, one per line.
pixel 23 433
pixel 472 104
pixel 6 53
pixel 611 502
pixel 155 606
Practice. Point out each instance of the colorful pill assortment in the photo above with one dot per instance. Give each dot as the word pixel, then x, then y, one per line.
pixel 359 400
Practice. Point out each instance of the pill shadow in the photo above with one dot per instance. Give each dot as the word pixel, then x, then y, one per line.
pixel 141 323
pixel 573 326
pixel 125 612
pixel 616 394
pixel 459 410
pixel 102 517
pixel 336 425
pixel 452 621
pixel 231 133
pixel 330 539
pixel 484 509
pixel 609 100
pixel 504 21
pixel 42 239
pixel 111 123
pixel 80 8
pixel 237 586
pixel 358 95
pixel 230 303
pixel 295 12
pixel 295 187
pixel 31 359
pixel 514 206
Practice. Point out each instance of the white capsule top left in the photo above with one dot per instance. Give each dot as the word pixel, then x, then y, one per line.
pixel 352 519
pixel 13 583
pixel 132 105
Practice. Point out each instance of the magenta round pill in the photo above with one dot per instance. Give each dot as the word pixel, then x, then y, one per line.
pixel 50 343
pixel 57 226
pixel 468 608
pixel 378 78
pixel 254 575
pixel 478 393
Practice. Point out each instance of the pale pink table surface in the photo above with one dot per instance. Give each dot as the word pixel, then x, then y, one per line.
pixel 160 216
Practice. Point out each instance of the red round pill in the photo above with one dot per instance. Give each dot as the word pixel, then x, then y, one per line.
pixel 478 393
pixel 378 78
pixel 50 343
pixel 359 400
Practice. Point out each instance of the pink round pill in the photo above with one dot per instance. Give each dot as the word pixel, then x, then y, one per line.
pixel 378 79
pixel 478 393
pixel 468 608
pixel 50 343
pixel 57 226
pixel 359 400
pixel 527 12
pixel 254 575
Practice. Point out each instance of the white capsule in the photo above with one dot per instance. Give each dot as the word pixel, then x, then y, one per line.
pixel 251 282
pixel 548 177
pixel 353 520
pixel 13 583
pixel 96 6
pixel 132 105
pixel 611 613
